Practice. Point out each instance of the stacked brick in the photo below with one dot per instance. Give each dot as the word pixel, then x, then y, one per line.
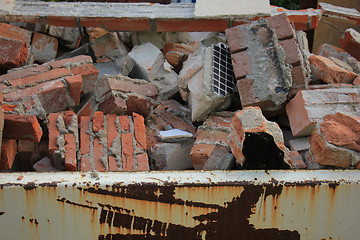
pixel 63 140
pixel 214 132
pixel 33 90
pixel 267 62
pixel 113 143
pixel 123 95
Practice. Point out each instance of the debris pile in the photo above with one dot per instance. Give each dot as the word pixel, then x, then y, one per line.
pixel 86 99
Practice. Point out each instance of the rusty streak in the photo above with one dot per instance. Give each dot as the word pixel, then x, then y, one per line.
pixel 148 192
pixel 30 186
pixel 231 222
pixel 64 200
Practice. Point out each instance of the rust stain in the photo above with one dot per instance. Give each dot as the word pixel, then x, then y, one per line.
pixel 64 200
pixel 230 222
pixel 29 186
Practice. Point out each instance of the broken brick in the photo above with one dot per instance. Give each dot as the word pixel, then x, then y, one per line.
pixel 13 53
pixel 13 32
pixel 89 75
pixel 326 70
pixel 22 127
pixel 309 106
pixel 350 42
pixel 43 47
pixel 8 153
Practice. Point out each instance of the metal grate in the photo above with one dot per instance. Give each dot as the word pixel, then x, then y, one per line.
pixel 223 78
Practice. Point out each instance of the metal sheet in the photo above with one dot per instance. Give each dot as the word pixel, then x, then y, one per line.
pixel 307 204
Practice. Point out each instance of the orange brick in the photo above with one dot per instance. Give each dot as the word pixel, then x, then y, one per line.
pixel 70 153
pixel 200 153
pixel 99 154
pixel 98 121
pixel 8 153
pixel 139 130
pixel 142 162
pixel 63 62
pixel 84 136
pixel 89 75
pixel 53 132
pixel 124 123
pixel 113 166
pixel 21 127
pixel 118 24
pixel 85 165
pixel 75 83
pixel 127 151
pixel 112 131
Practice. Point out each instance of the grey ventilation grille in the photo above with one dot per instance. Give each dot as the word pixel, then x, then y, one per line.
pixel 223 78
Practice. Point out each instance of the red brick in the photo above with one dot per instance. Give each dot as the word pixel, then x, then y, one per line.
pixel 99 155
pixel 44 47
pixel 105 44
pixel 301 22
pixel 85 165
pixel 64 62
pixel 237 39
pixel 13 53
pixel 326 70
pixel 350 42
pixel 84 136
pixel 113 105
pixel 13 32
pixel 127 151
pixel 242 64
pixel 87 109
pixel 21 127
pixel 70 152
pixel 298 77
pixel 75 83
pixel 138 105
pixel 42 77
pixel 113 166
pixel 296 160
pixel 53 132
pixel 24 72
pixel 200 153
pixel 177 122
pixel 176 53
pixel 8 153
pixel 98 121
pixel 128 86
pixel 61 21
pixel 112 131
pixel 192 25
pixel 218 121
pixel 117 24
pixel 281 25
pixel 124 123
pixel 142 162
pixel 291 51
pixel 248 94
pixel 89 75
pixel 139 130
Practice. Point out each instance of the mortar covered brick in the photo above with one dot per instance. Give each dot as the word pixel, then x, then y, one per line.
pixel 113 143
pixel 281 25
pixel 13 53
pixel 41 77
pixel 71 62
pixel 23 72
pixel 291 51
pixel 309 106
pixel 63 140
pixel 43 47
pixel 261 62
pixel 13 32
pixel 8 153
pixel 22 127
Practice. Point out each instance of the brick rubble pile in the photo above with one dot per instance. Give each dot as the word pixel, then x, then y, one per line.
pixel 253 97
